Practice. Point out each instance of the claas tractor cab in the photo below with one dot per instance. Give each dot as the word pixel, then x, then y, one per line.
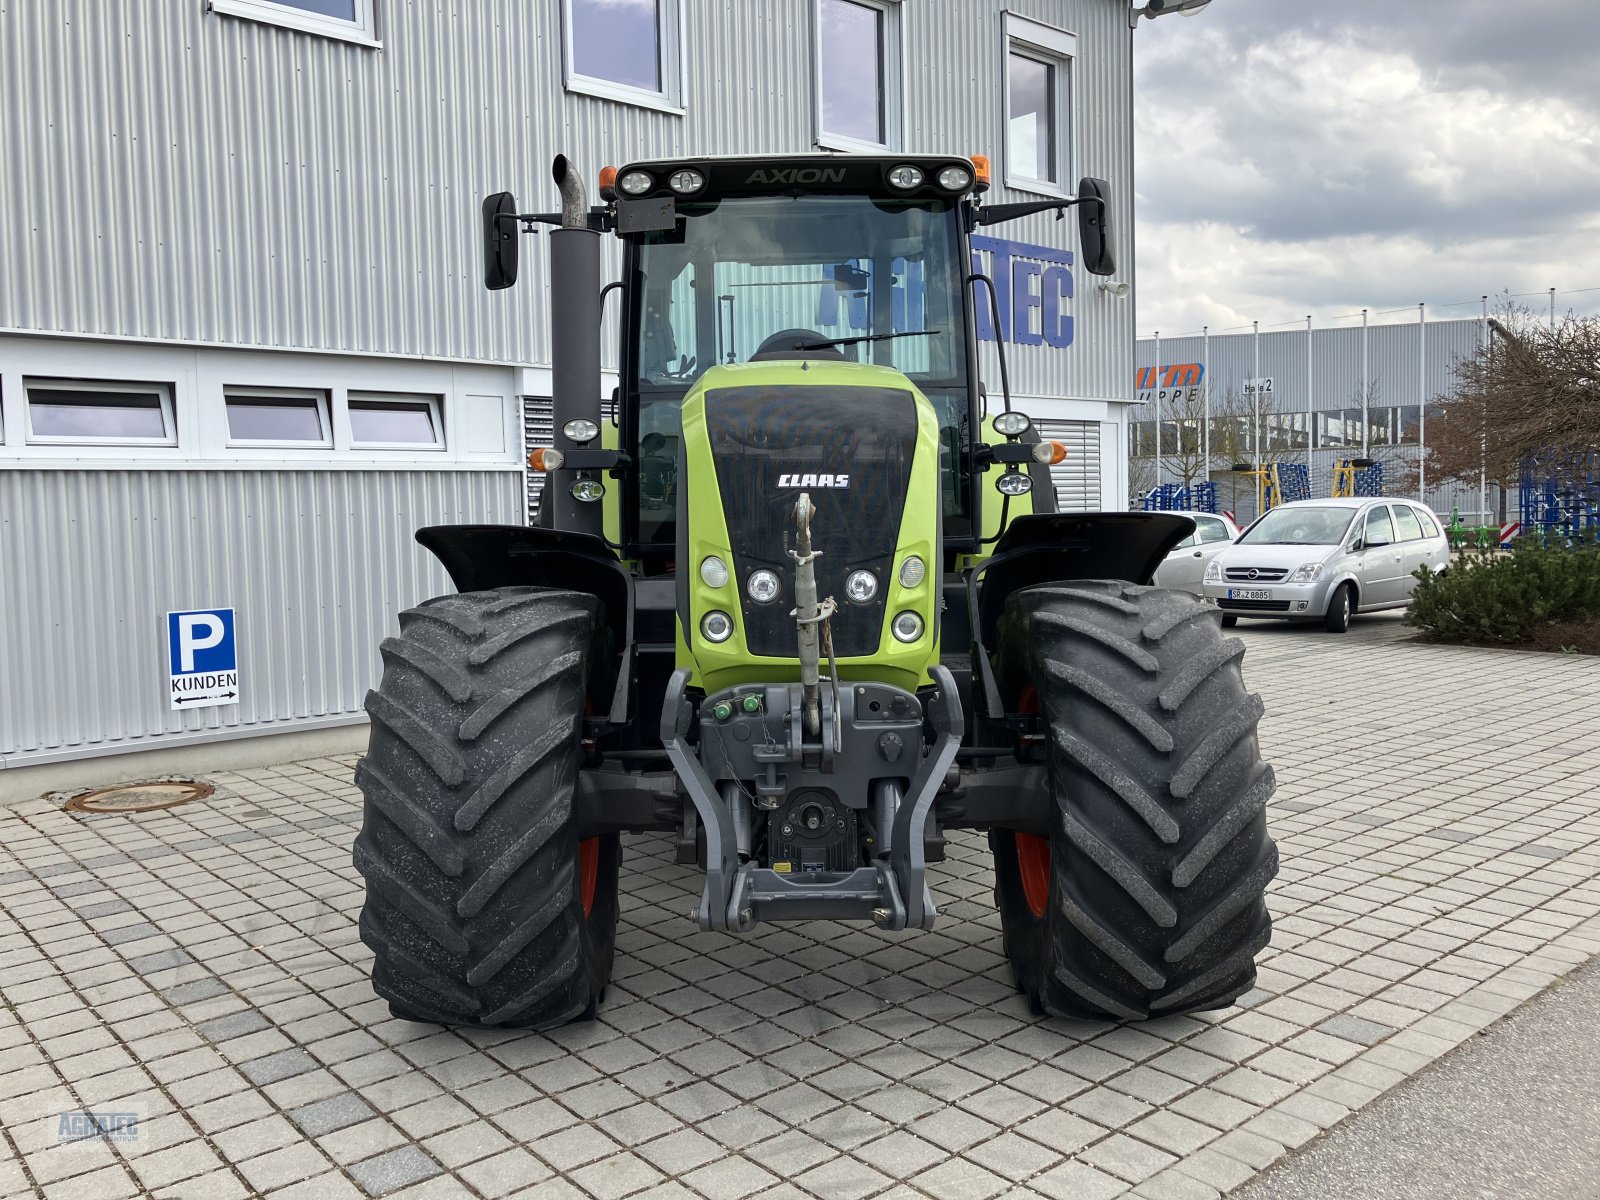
pixel 800 598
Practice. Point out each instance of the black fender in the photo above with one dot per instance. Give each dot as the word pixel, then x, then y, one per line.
pixel 480 557
pixel 1056 548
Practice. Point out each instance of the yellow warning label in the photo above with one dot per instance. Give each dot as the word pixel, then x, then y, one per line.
pixel 783 868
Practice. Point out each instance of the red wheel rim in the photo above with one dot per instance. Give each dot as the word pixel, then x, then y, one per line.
pixel 588 872
pixel 1033 864
pixel 1033 853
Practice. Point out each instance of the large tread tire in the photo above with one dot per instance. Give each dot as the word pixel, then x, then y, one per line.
pixel 1158 854
pixel 469 845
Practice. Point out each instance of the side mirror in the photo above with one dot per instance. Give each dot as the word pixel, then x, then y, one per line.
pixel 1094 226
pixel 500 245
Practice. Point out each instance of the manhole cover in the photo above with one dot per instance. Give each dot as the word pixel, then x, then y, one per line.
pixel 139 797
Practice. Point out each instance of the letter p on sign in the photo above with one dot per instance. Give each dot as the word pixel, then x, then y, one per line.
pixel 201 641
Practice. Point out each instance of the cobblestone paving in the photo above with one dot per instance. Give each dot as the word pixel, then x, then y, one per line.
pixel 1439 819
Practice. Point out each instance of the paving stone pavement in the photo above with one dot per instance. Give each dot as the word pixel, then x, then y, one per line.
pixel 1439 820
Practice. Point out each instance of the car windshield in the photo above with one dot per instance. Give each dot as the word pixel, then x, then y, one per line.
pixel 1299 527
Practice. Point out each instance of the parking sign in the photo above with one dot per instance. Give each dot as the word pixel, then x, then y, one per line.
pixel 202 658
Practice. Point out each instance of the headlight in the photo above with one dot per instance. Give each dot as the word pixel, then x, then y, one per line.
pixel 1013 483
pixel 1213 571
pixel 636 183
pixel 715 573
pixel 763 586
pixel 955 179
pixel 907 627
pixel 717 626
pixel 861 587
pixel 588 490
pixel 906 176
pixel 1309 573
pixel 580 430
pixel 912 572
pixel 686 181
pixel 1012 424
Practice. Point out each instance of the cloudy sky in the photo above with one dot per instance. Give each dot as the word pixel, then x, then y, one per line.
pixel 1321 156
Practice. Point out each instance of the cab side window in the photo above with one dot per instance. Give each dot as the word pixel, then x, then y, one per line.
pixel 1405 521
pixel 1379 527
pixel 1209 529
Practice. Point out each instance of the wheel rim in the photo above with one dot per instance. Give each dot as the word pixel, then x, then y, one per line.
pixel 1033 865
pixel 588 872
pixel 1033 853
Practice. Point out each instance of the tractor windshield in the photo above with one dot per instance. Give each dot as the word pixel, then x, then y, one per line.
pixel 740 273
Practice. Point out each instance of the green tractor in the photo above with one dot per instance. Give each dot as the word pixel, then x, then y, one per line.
pixel 802 600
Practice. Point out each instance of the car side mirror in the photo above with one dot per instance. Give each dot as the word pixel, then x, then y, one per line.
pixel 1094 226
pixel 500 245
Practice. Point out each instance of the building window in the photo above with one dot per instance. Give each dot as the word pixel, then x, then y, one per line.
pixel 1038 105
pixel 100 412
pixel 858 74
pixel 351 20
pixel 278 417
pixel 626 50
pixel 386 419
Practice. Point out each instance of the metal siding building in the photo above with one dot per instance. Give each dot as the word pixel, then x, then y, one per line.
pixel 202 204
pixel 1321 373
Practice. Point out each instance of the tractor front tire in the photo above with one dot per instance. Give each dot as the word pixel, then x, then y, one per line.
pixel 1146 899
pixel 483 907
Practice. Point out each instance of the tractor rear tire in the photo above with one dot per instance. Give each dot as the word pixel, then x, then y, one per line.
pixel 1147 897
pixel 483 908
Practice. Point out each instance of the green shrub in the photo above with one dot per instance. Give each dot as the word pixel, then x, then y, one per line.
pixel 1487 597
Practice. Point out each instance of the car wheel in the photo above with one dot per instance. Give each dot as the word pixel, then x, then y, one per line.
pixel 1340 606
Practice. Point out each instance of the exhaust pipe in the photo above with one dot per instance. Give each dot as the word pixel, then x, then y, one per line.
pixel 574 340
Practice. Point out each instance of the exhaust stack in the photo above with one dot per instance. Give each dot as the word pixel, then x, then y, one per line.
pixel 574 338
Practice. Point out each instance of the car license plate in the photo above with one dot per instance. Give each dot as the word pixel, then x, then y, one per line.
pixel 1249 594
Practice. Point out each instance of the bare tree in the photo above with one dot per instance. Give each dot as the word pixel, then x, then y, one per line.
pixel 1530 389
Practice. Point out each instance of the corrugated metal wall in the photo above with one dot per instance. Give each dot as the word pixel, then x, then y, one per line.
pixel 314 563
pixel 312 193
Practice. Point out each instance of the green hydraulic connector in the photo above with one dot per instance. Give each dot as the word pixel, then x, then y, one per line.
pixel 722 710
pixel 752 704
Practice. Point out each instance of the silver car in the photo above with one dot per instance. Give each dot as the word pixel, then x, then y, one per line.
pixel 1322 560
pixel 1185 564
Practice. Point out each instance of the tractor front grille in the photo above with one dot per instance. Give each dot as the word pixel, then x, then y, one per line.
pixel 851 449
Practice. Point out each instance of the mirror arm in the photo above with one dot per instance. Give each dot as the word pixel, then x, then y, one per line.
pixel 599 219
pixel 993 214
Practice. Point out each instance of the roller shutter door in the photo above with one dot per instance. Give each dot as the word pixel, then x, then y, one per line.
pixel 538 429
pixel 1077 477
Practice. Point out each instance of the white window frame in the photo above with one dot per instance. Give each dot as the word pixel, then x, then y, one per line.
pixel 1058 49
pixel 363 30
pixel 246 392
pixel 669 46
pixel 57 383
pixel 893 80
pixel 354 400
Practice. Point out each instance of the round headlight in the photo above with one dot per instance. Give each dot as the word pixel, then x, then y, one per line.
pixel 717 626
pixel 955 179
pixel 1013 483
pixel 912 572
pixel 588 490
pixel 636 183
pixel 861 586
pixel 714 571
pixel 1012 424
pixel 763 586
pixel 686 181
pixel 907 627
pixel 580 430
pixel 906 176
